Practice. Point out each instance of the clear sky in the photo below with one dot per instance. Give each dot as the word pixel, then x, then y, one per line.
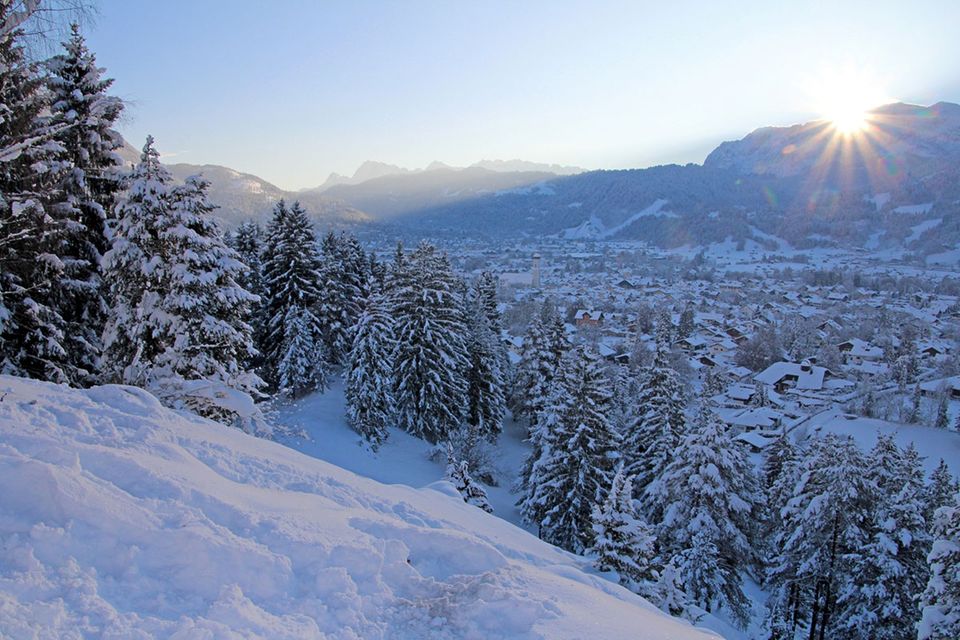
pixel 291 90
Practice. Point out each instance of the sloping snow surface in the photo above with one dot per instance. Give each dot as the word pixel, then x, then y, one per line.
pixel 122 519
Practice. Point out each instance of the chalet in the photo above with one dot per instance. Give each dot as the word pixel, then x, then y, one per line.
pixel 691 343
pixel 751 419
pixel 804 376
pixel 856 351
pixel 588 318
pixel 950 385
pixel 932 349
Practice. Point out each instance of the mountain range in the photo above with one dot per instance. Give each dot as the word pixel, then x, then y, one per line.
pixel 808 184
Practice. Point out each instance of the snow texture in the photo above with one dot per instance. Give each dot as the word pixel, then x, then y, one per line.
pixel 120 518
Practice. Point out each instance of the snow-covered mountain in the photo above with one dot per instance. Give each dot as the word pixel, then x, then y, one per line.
pixel 894 185
pixel 899 142
pixel 244 196
pixel 123 519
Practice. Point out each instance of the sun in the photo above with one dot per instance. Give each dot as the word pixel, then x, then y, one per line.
pixel 845 97
pixel 849 119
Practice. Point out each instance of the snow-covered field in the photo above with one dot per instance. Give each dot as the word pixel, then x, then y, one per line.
pixel 402 459
pixel 122 519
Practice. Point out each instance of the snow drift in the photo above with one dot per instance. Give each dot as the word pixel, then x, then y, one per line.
pixel 122 519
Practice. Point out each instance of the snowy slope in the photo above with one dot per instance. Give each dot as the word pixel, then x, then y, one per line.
pixel 119 518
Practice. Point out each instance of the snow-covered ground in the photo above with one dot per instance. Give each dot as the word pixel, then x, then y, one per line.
pixel 122 519
pixel 402 459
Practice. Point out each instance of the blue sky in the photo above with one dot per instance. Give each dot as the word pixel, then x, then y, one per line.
pixel 291 90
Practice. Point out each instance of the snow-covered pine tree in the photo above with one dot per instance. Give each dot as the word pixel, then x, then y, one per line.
pixel 291 281
pixel 529 373
pixel 879 602
pixel 33 336
pixel 369 391
pixel 346 280
pixel 540 439
pixel 943 415
pixel 133 268
pixel 177 325
pixel 668 593
pixel 710 494
pixel 940 619
pixel 664 329
pixel 713 383
pixel 204 308
pixel 431 355
pixel 301 368
pixel 940 490
pixel 759 397
pixel 704 576
pixel 686 325
pixel 458 473
pixel 247 241
pixel 578 465
pixel 486 287
pixel 886 466
pixel 781 470
pixel 485 385
pixel 657 427
pixel 827 524
pixel 89 183
pixel 623 542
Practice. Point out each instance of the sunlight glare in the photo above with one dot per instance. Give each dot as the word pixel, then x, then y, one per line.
pixel 845 97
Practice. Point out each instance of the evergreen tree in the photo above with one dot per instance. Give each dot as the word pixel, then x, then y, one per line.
pixel 300 368
pixel 178 325
pixel 943 415
pixel 704 578
pixel 33 333
pixel 291 281
pixel 886 465
pixel 940 490
pixel 533 374
pixel 133 272
pixel 431 355
pixel 687 325
pixel 655 433
pixel 623 541
pixel 781 471
pixel 458 473
pixel 485 387
pixel 891 572
pixel 89 183
pixel 369 380
pixel 346 280
pixel 713 384
pixel 827 524
pixel 941 600
pixel 204 306
pixel 247 241
pixel 711 496
pixel 669 594
pixel 542 435
pixel 759 397
pixel 578 465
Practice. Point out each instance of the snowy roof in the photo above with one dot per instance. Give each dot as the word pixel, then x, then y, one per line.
pixel 754 439
pixel 861 348
pixel 934 386
pixel 807 376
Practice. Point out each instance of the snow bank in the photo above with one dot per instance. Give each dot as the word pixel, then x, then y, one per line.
pixel 122 519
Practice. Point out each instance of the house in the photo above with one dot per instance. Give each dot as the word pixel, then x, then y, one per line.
pixel 935 387
pixel 692 343
pixel 792 375
pixel 587 318
pixel 856 351
pixel 932 349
